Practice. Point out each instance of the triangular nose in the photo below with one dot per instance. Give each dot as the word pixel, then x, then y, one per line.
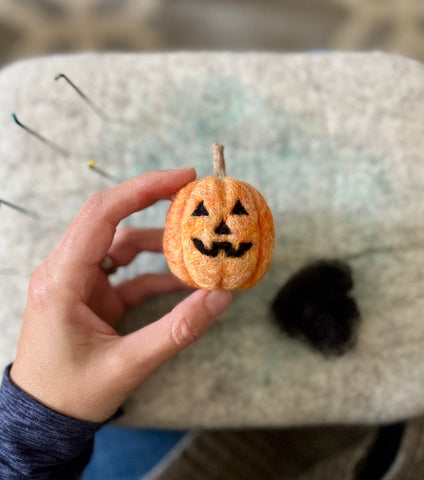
pixel 222 229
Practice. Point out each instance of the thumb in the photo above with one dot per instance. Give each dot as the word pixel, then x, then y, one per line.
pixel 148 348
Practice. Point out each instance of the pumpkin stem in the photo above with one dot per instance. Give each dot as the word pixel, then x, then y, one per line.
pixel 218 160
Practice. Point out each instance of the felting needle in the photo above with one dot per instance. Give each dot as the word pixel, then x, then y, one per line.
pixel 52 145
pixel 86 99
pixel 92 166
pixel 22 210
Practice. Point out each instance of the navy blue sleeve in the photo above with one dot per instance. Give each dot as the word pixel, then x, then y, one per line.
pixel 39 443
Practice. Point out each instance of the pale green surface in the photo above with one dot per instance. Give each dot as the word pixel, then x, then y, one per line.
pixel 333 141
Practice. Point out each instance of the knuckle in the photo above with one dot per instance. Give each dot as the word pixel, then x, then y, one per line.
pixel 116 364
pixel 124 234
pixel 94 204
pixel 38 290
pixel 117 368
pixel 182 332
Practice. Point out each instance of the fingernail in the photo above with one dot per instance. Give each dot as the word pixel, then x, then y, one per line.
pixel 217 301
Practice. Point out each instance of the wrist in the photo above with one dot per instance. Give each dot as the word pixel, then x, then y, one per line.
pixel 51 392
pixel 36 439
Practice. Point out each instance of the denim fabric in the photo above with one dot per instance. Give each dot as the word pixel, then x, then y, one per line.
pixel 128 454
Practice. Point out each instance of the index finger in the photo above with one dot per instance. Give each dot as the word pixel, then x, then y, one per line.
pixel 90 234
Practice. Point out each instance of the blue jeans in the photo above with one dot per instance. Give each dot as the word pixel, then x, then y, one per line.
pixel 128 454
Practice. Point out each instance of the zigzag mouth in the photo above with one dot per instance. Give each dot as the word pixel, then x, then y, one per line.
pixel 227 247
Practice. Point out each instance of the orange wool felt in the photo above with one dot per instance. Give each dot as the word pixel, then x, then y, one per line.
pixel 219 232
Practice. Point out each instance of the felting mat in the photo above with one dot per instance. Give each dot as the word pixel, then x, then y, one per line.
pixel 333 141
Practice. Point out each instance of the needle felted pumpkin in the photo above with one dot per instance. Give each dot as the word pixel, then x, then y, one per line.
pixel 219 232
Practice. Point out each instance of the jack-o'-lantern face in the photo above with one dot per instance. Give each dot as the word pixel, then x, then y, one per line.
pixel 222 231
pixel 219 234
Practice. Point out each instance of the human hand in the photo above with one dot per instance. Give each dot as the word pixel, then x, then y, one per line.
pixel 70 357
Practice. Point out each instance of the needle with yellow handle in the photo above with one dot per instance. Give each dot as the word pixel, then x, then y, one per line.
pixel 92 165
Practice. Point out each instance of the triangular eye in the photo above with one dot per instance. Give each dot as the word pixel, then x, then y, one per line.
pixel 238 209
pixel 200 210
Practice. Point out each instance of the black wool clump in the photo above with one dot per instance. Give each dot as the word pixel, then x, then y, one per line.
pixel 314 305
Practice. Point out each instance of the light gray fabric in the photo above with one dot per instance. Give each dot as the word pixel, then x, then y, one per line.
pixel 333 141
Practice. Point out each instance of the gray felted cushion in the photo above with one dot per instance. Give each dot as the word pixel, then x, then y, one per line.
pixel 333 141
